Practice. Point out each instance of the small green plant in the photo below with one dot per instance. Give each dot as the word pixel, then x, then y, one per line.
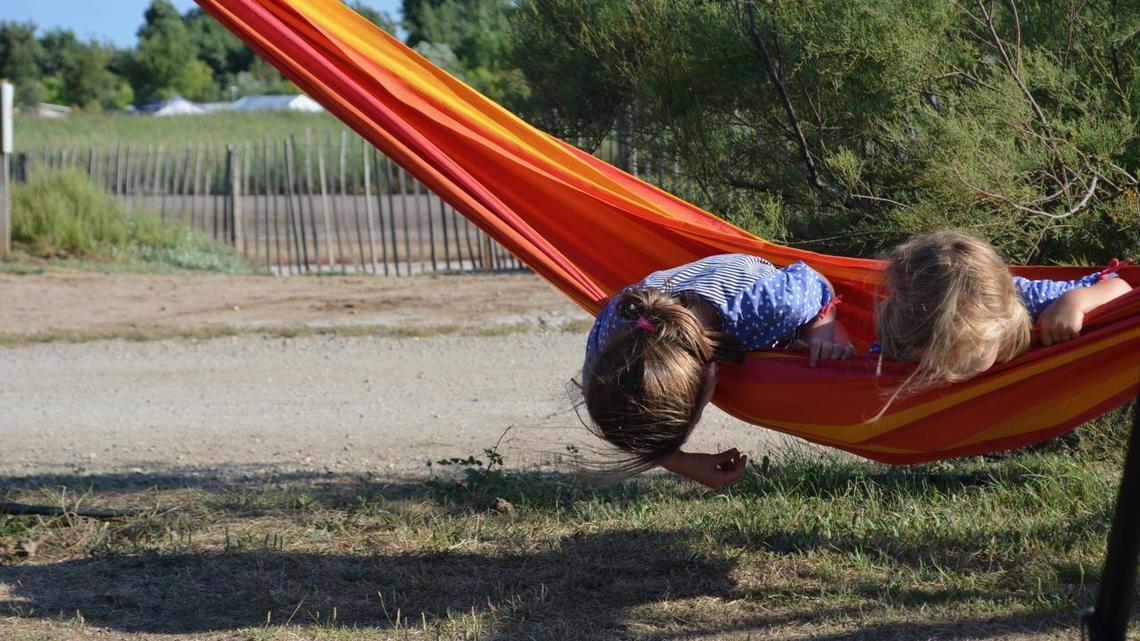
pixel 479 476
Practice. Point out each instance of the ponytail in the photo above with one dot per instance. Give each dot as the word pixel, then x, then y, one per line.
pixel 643 388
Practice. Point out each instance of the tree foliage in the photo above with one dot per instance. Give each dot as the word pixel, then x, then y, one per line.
pixel 220 50
pixel 21 55
pixel 469 38
pixel 167 62
pixel 844 126
pixel 187 54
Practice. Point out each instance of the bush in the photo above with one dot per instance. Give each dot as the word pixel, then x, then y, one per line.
pixel 66 215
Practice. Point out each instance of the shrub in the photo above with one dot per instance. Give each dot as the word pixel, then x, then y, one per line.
pixel 66 215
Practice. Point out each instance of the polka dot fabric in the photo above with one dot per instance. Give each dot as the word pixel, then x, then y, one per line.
pixel 761 306
pixel 1038 294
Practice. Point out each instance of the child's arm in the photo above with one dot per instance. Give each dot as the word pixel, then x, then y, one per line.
pixel 710 470
pixel 792 302
pixel 1063 318
pixel 825 337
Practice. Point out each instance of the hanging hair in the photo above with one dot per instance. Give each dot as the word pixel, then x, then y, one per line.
pixel 642 390
pixel 950 303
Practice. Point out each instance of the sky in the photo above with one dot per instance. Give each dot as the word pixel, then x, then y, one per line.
pixel 114 21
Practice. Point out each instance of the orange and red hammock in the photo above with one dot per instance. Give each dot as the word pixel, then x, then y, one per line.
pixel 591 229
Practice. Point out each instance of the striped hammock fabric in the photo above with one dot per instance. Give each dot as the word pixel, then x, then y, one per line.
pixel 590 229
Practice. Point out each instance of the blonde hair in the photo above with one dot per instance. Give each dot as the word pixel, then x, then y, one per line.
pixel 642 390
pixel 950 301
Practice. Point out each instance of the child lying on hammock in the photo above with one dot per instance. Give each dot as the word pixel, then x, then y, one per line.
pixel 954 309
pixel 652 355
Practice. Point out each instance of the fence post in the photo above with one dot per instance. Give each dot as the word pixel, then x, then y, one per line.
pixel 7 95
pixel 233 170
pixel 485 253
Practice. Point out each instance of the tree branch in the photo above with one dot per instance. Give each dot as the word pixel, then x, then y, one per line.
pixel 1090 190
pixel 1013 70
pixel 880 200
pixel 774 76
pixel 740 183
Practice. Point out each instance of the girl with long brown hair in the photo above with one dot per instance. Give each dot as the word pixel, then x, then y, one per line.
pixel 652 355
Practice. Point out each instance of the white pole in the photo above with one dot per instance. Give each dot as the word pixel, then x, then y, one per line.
pixel 7 95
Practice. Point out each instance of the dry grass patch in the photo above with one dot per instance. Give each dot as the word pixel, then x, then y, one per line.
pixel 208 332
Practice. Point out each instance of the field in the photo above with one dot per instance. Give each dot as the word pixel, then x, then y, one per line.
pixel 273 436
pixel 85 131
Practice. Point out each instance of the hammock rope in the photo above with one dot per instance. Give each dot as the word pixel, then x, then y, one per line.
pixel 590 229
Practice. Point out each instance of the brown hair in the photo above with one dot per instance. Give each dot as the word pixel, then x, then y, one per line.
pixel 950 300
pixel 642 390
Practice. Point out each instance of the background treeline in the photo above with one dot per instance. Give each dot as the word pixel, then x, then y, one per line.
pixel 177 54
pixel 840 127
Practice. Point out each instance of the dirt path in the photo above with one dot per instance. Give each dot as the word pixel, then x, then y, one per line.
pixel 258 405
pixel 88 301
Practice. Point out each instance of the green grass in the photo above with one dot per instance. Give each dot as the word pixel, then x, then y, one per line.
pixel 86 131
pixel 805 547
pixel 18 268
pixel 210 332
pixel 64 215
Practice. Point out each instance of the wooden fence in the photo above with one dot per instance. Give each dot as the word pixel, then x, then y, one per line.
pixel 323 203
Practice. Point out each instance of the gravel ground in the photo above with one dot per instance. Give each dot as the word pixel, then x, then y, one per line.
pixel 258 405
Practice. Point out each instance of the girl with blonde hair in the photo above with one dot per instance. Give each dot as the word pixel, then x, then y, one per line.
pixel 653 353
pixel 954 308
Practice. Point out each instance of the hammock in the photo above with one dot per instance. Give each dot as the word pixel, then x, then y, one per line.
pixel 590 229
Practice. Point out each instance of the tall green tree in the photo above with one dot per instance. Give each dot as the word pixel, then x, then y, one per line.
pixel 413 22
pixel 60 47
pixel 166 63
pixel 80 74
pixel 478 33
pixel 89 83
pixel 21 57
pixel 844 126
pixel 221 50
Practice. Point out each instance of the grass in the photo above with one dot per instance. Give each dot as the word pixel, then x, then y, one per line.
pixel 103 131
pixel 18 268
pixel 64 216
pixel 804 547
pixel 208 332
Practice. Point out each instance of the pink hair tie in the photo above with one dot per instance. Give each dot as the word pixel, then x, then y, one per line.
pixel 643 323
pixel 1114 266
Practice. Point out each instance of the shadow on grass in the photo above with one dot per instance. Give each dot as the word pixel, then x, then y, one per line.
pixel 588 585
pixel 584 587
pixel 600 574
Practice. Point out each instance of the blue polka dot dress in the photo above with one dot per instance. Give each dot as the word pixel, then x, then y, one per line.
pixel 1039 294
pixel 760 305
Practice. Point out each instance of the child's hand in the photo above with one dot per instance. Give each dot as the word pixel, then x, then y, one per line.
pixel 1063 319
pixel 818 348
pixel 710 470
pixel 826 340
